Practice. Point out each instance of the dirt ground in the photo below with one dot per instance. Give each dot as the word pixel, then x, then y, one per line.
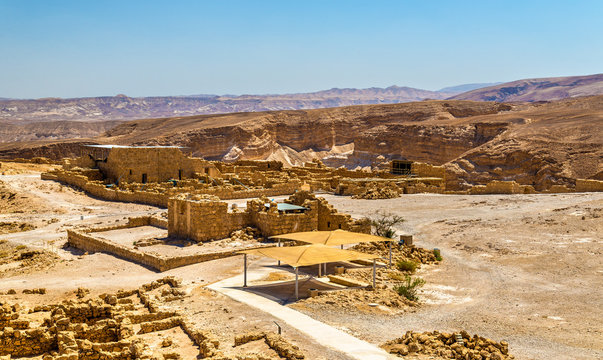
pixel 522 268
pixel 526 269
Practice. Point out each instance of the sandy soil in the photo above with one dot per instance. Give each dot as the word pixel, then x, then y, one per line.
pixel 521 268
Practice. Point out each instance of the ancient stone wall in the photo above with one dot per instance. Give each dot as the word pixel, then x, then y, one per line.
pixel 583 185
pixel 135 164
pixel 202 218
pixel 427 170
pixel 272 222
pixel 25 343
pixel 88 242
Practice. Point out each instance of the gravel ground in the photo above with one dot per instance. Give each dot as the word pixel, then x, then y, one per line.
pixel 522 268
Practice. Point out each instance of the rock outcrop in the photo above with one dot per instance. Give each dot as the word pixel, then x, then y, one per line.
pixel 540 145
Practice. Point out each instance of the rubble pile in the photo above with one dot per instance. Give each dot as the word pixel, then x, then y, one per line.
pixel 246 234
pixel 357 298
pixel 374 191
pixel 450 346
pixel 276 342
pixel 399 252
pixel 19 259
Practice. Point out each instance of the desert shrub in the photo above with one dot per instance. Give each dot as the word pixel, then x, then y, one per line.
pixel 406 265
pixel 409 287
pixel 396 276
pixel 383 224
pixel 437 254
pixel 21 247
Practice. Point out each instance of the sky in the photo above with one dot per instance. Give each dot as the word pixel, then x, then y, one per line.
pixel 54 48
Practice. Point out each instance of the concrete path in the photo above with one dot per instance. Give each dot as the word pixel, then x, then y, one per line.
pixel 322 333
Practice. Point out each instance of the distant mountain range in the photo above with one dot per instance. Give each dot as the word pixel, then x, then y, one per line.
pixel 542 89
pixel 458 89
pixel 57 118
pixel 122 107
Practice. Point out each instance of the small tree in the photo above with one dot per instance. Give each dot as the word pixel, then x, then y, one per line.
pixel 409 287
pixel 383 223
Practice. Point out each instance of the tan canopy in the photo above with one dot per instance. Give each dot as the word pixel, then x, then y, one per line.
pixel 309 254
pixel 331 238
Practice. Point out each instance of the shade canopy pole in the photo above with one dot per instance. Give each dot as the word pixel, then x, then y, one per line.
pixel 325 269
pixel 390 254
pixel 279 245
pixel 244 270
pixel 296 284
pixel 374 272
pixel 319 268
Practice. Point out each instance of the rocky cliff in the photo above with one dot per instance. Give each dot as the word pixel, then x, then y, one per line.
pixel 539 144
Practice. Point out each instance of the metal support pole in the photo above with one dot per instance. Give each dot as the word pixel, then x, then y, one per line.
pixel 374 272
pixel 296 284
pixel 325 272
pixel 390 254
pixel 244 270
pixel 319 269
pixel 279 245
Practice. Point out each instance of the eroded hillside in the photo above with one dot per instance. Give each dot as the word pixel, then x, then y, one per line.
pixel 539 144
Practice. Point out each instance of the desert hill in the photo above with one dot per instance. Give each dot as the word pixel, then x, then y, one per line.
pixel 82 117
pixel 459 89
pixel 122 107
pixel 542 89
pixel 53 130
pixel 534 143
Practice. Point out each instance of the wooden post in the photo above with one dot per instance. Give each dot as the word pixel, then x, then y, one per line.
pixel 374 272
pixel 296 284
pixel 319 268
pixel 244 270
pixel 325 272
pixel 390 254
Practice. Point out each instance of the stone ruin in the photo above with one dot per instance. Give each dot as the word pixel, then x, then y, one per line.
pixel 201 218
pixel 118 327
pixel 153 174
pixel 205 219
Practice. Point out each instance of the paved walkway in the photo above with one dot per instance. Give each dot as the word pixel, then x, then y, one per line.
pixel 322 333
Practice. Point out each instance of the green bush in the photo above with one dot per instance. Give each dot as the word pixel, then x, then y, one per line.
pixel 406 265
pixel 409 288
pixel 436 253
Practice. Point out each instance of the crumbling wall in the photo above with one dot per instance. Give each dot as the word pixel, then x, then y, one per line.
pixel 202 218
pixel 329 219
pixel 271 222
pixel 30 342
pixel 158 164
pixel 584 185
pixel 427 170
pixel 503 187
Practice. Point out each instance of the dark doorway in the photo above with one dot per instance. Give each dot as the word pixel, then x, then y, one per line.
pixel 144 178
pixel 401 167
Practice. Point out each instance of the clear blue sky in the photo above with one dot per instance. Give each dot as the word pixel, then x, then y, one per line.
pixel 139 48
